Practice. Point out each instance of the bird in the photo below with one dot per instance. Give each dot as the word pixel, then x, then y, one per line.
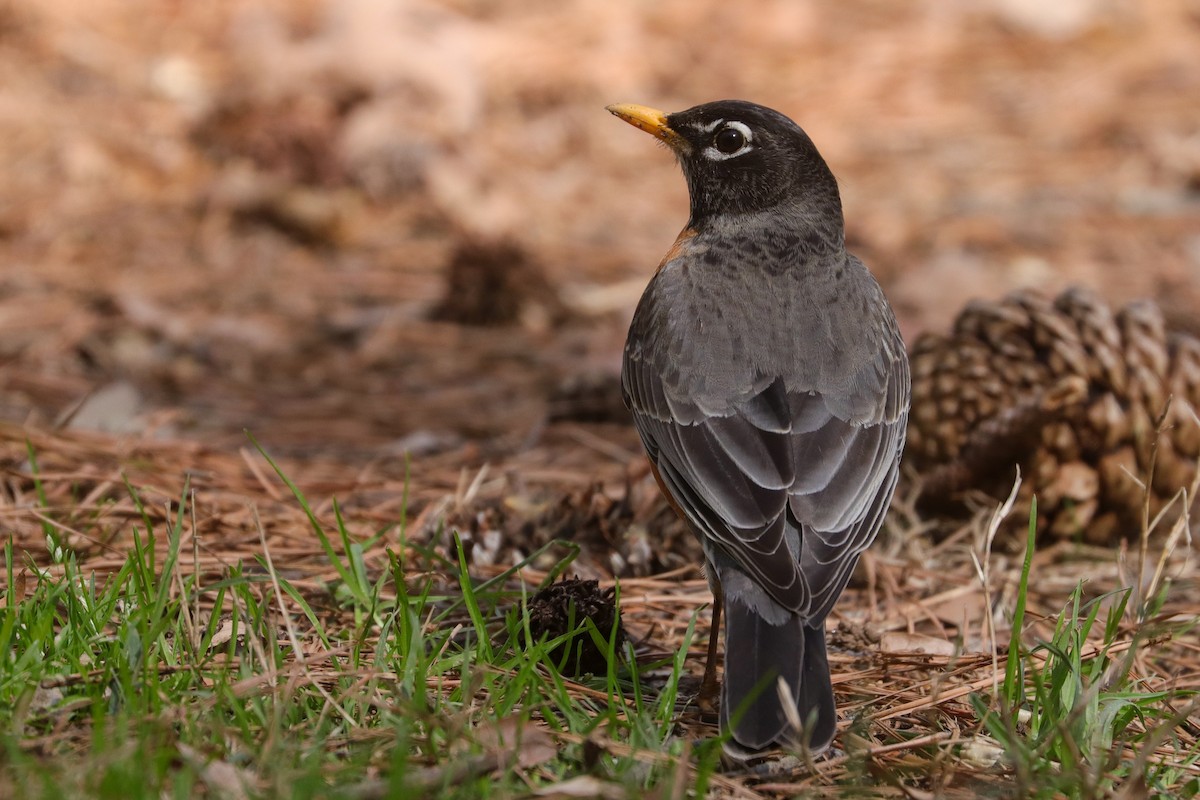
pixel 769 384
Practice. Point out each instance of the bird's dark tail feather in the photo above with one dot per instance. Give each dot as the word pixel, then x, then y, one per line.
pixel 815 701
pixel 756 654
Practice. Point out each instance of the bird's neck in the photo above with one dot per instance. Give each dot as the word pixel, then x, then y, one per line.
pixel 796 224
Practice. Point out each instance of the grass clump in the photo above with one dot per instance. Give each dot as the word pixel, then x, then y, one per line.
pixel 1072 717
pixel 410 677
pixel 382 664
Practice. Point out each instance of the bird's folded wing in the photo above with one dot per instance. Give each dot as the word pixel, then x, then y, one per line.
pixel 786 489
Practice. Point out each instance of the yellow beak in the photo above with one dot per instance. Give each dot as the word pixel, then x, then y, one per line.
pixel 651 120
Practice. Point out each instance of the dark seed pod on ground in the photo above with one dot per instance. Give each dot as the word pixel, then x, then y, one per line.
pixel 589 397
pixel 1071 392
pixel 561 608
pixel 496 282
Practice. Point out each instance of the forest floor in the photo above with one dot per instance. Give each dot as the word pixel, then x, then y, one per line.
pixel 391 248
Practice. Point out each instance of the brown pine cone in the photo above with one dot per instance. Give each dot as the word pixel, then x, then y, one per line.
pixel 1072 393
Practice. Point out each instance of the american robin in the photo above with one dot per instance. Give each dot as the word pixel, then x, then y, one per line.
pixel 770 386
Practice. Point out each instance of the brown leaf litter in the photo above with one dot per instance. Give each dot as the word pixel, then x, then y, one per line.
pixel 910 641
pixel 235 216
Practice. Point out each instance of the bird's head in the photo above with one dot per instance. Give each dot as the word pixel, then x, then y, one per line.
pixel 741 158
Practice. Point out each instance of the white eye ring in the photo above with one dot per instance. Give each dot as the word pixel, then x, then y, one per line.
pixel 713 154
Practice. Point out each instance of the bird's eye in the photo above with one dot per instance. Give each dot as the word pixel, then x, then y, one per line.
pixel 732 140
pixel 729 140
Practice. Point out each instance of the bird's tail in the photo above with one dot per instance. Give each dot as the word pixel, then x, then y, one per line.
pixel 815 703
pixel 757 654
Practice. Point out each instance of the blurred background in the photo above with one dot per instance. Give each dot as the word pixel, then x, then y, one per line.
pixel 364 228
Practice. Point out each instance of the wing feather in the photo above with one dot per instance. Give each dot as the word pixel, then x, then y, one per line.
pixel 788 490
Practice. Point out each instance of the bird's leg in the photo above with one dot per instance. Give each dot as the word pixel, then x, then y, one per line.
pixel 709 687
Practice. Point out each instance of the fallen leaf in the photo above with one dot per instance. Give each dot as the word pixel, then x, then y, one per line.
pixel 582 786
pixel 901 642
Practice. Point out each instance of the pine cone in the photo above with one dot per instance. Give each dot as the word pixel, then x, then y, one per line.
pixel 1072 393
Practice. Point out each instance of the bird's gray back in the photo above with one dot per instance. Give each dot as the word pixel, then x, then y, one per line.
pixel 750 309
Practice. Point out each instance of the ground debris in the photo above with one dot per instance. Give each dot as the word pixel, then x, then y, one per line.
pixel 635 533
pixel 245 213
pixel 496 282
pixel 1090 402
pixel 589 397
pixel 567 606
